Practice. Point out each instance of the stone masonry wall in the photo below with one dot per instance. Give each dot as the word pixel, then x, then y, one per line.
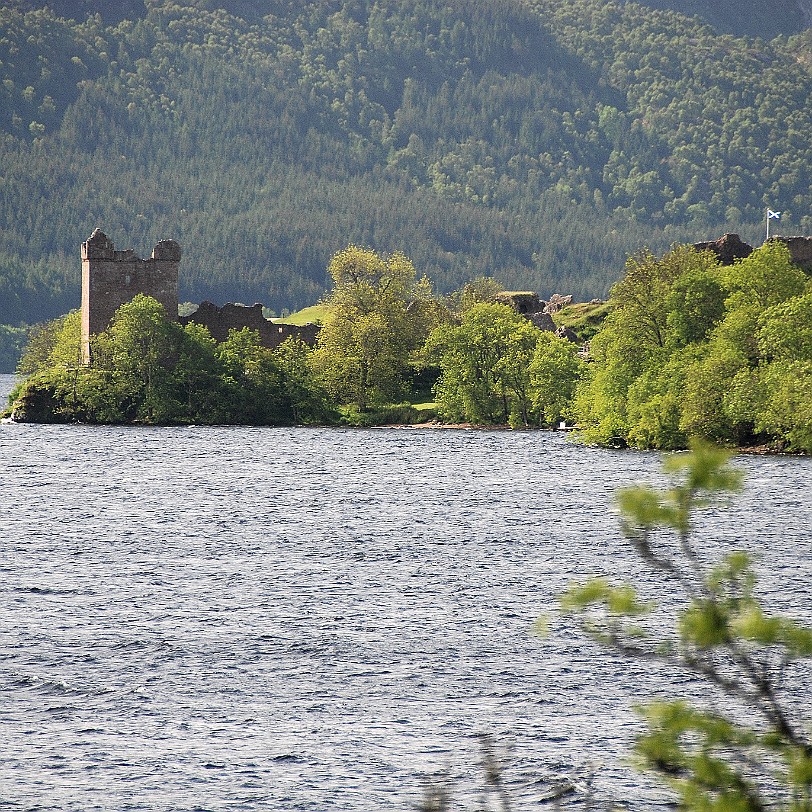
pixel 111 278
pixel 220 320
pixel 800 249
pixel 730 247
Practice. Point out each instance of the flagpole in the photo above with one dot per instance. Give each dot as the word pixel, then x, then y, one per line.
pixel 771 215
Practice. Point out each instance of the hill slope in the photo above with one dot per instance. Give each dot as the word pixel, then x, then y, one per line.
pixel 754 18
pixel 538 142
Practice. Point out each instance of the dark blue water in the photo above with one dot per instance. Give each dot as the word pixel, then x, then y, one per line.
pixel 313 619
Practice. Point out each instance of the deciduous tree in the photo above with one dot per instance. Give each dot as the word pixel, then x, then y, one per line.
pixel 365 345
pixel 758 754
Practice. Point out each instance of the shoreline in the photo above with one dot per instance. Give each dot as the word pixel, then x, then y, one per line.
pixel 755 450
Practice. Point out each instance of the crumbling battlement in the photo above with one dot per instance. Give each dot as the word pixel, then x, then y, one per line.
pixel 800 249
pixel 731 247
pixel 727 248
pixel 111 278
pixel 220 320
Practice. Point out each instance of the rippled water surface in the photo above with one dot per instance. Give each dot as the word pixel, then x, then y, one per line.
pixel 311 619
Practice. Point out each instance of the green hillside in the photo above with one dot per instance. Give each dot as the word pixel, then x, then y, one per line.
pixel 538 142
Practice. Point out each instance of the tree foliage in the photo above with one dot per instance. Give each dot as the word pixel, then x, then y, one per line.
pixel 695 348
pixel 497 368
pixel 148 369
pixel 378 315
pixel 759 755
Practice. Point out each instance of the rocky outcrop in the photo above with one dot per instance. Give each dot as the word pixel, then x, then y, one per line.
pixel 557 302
pixel 36 404
pixel 539 312
pixel 543 320
pixel 569 334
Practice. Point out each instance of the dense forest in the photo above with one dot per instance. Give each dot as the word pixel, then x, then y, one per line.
pixel 741 17
pixel 536 141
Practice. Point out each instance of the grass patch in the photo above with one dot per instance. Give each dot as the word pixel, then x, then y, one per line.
pixel 584 318
pixel 394 414
pixel 315 314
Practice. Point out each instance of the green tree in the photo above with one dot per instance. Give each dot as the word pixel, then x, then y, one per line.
pixel 372 327
pixel 254 385
pixel 139 350
pixel 148 369
pixel 485 366
pixel 197 378
pixel 309 400
pixel 555 371
pixel 766 278
pixel 786 404
pixel 483 289
pixel 53 343
pixel 785 329
pixel 696 304
pixel 53 359
pixel 696 356
pixel 654 403
pixel 723 635
pixel 645 297
pixel 659 306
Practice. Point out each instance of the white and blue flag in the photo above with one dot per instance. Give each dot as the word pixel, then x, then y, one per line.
pixel 773 215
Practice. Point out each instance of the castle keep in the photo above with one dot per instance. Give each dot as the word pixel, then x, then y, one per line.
pixel 111 278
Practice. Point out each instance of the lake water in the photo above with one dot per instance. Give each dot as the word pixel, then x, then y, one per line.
pixel 312 619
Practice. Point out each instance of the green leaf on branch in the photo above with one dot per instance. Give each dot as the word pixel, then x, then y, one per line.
pixel 705 625
pixel 617 600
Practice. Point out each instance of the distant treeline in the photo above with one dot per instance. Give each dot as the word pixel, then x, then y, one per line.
pixel 538 142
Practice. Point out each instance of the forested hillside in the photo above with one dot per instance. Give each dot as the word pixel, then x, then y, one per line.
pixel 754 18
pixel 742 17
pixel 536 141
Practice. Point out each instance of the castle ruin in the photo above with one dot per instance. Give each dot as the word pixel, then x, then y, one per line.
pixel 220 321
pixel 730 247
pixel 112 278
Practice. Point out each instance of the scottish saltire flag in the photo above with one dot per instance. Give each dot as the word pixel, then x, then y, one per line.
pixel 773 215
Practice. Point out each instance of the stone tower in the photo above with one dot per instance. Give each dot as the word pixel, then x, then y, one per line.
pixel 111 278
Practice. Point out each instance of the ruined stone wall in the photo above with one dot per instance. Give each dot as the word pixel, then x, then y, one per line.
pixel 220 320
pixel 800 249
pixel 730 247
pixel 522 301
pixel 111 278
